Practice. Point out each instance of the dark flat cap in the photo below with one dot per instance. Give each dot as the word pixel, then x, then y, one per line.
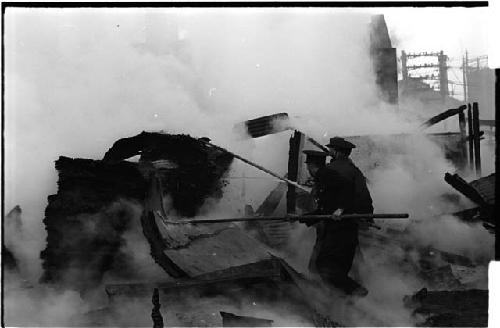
pixel 340 143
pixel 314 156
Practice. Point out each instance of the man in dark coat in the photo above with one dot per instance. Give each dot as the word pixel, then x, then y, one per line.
pixel 340 188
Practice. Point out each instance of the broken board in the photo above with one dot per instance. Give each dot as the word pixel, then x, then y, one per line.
pixel 185 250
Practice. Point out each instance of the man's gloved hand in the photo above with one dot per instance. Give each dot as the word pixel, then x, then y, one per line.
pixel 336 215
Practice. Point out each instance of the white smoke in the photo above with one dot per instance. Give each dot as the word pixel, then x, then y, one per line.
pixel 79 79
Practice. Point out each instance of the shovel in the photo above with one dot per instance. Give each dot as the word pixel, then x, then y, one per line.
pixel 271 124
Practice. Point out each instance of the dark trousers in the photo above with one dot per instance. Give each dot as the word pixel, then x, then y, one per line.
pixel 335 253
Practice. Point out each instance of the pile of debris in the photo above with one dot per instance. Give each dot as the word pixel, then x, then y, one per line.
pixel 457 308
pixel 482 193
pixel 97 200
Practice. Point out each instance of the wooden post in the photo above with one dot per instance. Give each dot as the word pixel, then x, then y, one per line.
pixel 404 69
pixel 463 136
pixel 464 77
pixel 293 170
pixel 155 313
pixel 477 138
pixel 471 134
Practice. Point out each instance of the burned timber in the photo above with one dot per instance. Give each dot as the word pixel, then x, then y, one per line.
pixel 238 262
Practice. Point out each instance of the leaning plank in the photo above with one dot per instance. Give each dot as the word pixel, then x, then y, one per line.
pixel 222 250
pixel 442 116
pixel 464 188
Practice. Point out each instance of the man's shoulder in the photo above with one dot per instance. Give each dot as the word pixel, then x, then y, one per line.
pixel 342 166
pixel 326 173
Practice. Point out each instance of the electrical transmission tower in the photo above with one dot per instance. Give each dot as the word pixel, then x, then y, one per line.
pixel 438 71
pixel 470 65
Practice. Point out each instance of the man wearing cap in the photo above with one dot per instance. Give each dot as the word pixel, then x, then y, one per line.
pixel 315 160
pixel 340 188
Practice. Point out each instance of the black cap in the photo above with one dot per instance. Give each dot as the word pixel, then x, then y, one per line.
pixel 340 143
pixel 314 156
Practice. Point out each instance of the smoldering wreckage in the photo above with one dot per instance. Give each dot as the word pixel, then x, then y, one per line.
pixel 242 262
pixel 243 270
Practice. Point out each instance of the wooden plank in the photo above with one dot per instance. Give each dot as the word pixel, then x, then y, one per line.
pixel 443 116
pixel 463 134
pixel 293 169
pixel 471 133
pixel 272 200
pixel 465 189
pixel 477 140
pixel 266 269
pixel 230 247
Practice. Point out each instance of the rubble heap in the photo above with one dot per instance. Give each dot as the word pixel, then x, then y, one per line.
pixel 97 200
pixel 456 308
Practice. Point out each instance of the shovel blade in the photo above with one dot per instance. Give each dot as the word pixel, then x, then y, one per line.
pixel 262 126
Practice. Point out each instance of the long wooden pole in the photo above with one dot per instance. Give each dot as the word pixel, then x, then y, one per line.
pixel 290 182
pixel 317 144
pixel 294 218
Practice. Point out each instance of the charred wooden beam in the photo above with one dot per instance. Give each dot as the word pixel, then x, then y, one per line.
pixel 272 200
pixel 157 246
pixel 465 189
pixel 293 169
pixel 471 133
pixel 468 138
pixel 155 313
pixel 237 276
pixel 443 116
pixel 463 134
pixel 477 144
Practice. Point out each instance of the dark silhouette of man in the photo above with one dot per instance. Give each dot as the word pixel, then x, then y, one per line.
pixel 339 188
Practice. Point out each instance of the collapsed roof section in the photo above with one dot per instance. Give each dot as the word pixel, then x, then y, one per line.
pixel 86 219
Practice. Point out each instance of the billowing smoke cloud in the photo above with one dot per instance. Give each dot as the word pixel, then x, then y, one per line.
pixel 77 80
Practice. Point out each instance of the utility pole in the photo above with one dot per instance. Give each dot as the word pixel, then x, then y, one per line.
pixel 404 68
pixel 443 76
pixel 464 76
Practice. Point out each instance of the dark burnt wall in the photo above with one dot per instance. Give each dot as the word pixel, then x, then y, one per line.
pixel 97 201
pixel 85 220
pixel 384 60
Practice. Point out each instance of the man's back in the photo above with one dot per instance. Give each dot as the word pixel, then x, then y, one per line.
pixel 340 184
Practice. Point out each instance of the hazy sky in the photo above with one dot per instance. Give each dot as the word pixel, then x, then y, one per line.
pixel 452 30
pixel 102 74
